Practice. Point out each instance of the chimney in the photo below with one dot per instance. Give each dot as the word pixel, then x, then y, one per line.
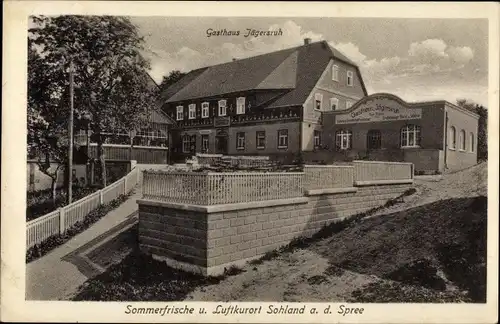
pixel 307 41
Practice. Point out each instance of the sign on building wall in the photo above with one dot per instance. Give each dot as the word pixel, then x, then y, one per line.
pixel 379 110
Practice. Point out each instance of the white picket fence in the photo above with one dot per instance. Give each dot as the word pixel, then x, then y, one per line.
pixel 60 220
pixel 220 188
pixel 212 188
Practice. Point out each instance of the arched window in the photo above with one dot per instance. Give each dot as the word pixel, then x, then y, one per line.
pixel 374 139
pixel 343 139
pixel 410 136
pixel 471 136
pixel 462 140
pixel 453 138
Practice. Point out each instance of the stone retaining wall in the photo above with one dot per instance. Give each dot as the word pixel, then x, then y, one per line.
pixel 207 239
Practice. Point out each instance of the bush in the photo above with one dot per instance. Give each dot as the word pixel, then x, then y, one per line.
pixel 40 203
pixel 39 250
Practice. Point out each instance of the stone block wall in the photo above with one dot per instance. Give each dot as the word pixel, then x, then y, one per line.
pixel 207 241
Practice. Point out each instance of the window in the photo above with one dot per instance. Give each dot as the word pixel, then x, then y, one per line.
pixel 261 140
pixel 350 78
pixel 462 140
pixel 240 141
pixel 374 139
pixel 410 136
pixel 204 110
pixel 192 111
pixel 471 136
pixel 180 113
pixel 334 103
pixel 348 104
pixel 193 143
pixel 204 143
pixel 335 73
pixel 222 107
pixel 453 138
pixel 317 139
pixel 240 105
pixel 343 139
pixel 283 138
pixel 186 141
pixel 318 97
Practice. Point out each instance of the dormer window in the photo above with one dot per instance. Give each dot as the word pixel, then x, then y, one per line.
pixel 318 98
pixel 180 112
pixel 334 103
pixel 240 105
pixel 222 107
pixel 350 78
pixel 335 73
pixel 204 110
pixel 192 111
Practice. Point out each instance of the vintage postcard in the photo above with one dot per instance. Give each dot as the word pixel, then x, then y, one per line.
pixel 250 162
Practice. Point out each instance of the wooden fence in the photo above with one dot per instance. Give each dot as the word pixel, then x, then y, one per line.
pixel 328 176
pixel 60 220
pixel 378 170
pixel 221 188
pixel 142 154
pixel 213 188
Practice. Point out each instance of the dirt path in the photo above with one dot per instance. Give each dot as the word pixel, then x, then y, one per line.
pixel 292 277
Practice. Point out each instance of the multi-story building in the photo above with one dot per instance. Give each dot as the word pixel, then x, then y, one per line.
pixel 311 102
pixel 269 104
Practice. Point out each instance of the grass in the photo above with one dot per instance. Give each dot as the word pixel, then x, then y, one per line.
pixel 413 246
pixel 139 277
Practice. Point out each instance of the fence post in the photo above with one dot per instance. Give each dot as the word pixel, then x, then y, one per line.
pixel 101 197
pixel 62 218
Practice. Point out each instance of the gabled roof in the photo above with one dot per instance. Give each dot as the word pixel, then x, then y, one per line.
pixel 295 71
pixel 158 115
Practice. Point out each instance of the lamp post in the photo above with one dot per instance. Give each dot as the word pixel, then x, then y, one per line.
pixel 70 134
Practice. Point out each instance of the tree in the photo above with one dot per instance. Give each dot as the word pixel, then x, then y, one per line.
pixel 110 80
pixel 482 129
pixel 170 79
pixel 47 140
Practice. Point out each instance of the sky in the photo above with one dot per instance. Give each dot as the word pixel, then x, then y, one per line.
pixel 416 59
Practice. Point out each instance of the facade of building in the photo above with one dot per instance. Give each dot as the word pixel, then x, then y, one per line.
pixel 310 102
pixel 434 136
pixel 149 144
pixel 269 104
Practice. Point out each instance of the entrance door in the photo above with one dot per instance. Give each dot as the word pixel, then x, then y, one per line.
pixel 373 140
pixel 221 144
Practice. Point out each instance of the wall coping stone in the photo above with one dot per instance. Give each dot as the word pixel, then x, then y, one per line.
pixel 316 192
pixel 225 207
pixel 381 162
pixel 382 182
pixel 328 166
